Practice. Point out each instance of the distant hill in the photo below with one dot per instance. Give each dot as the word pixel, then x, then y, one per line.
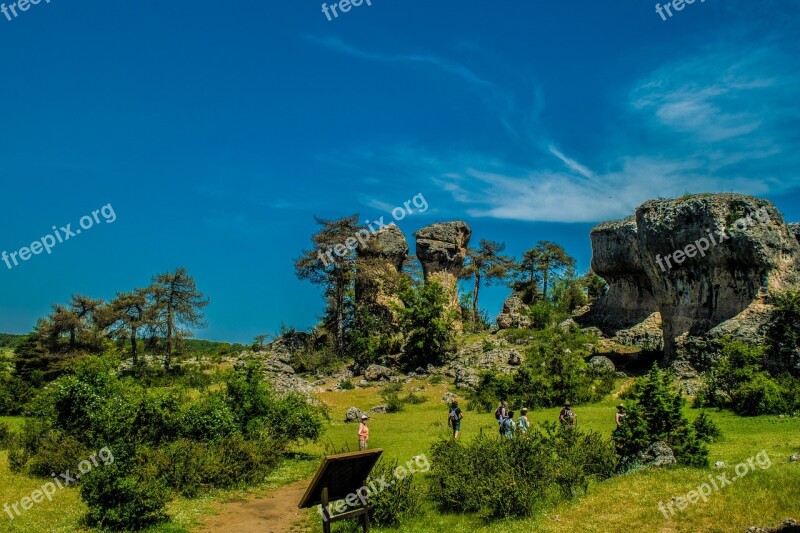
pixel 10 340
pixel 203 347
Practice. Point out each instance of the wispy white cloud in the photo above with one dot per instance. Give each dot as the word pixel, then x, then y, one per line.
pixel 462 72
pixel 722 120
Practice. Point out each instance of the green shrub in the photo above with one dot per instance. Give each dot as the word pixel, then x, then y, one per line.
pixel 207 420
pixel 57 453
pixel 5 436
pixel 346 384
pixel 427 325
pixel 759 395
pixel 393 402
pixel 435 379
pixel 705 429
pixel 504 478
pixel 118 500
pixel 394 504
pixel 654 413
pixel 392 388
pixel 741 381
pixel 555 370
pixel 256 407
pixel 414 399
pixel 17 457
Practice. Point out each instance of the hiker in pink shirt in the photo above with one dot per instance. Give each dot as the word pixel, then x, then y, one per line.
pixel 363 433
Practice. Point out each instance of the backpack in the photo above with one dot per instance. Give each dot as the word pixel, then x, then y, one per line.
pixel 453 415
pixel 498 413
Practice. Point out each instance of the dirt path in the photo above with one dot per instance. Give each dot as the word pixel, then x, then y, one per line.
pixel 275 513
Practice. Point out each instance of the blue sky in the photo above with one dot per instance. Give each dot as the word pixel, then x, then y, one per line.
pixel 217 131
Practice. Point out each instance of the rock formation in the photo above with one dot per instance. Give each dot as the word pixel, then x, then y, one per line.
pixel 441 249
pixel 512 314
pixel 378 264
pixel 703 262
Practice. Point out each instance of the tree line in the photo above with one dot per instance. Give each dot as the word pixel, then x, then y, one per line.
pixel 157 317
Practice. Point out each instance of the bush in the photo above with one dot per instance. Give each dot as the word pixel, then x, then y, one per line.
pixel 555 370
pixel 208 420
pixel 346 384
pixel 654 413
pixel 393 402
pixel 414 399
pixel 57 453
pixel 118 500
pixel 435 379
pixel 705 429
pixel 759 395
pixel 427 325
pixel 394 504
pixel 740 381
pixel 5 436
pixel 503 478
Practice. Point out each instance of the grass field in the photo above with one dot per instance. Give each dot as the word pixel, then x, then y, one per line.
pixel 625 503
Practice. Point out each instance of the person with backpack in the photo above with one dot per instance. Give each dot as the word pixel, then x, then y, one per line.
pixel 454 419
pixel 567 417
pixel 507 426
pixel 501 413
pixel 523 423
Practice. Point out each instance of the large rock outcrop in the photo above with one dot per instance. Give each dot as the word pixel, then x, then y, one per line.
pixel 512 315
pixel 441 249
pixel 378 264
pixel 704 262
pixel 795 228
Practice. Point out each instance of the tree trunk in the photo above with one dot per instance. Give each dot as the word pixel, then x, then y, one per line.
pixel 134 354
pixel 475 297
pixel 339 320
pixel 168 357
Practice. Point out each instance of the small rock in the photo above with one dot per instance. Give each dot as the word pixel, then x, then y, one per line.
pixel 601 361
pixel 449 397
pixel 514 358
pixel 353 414
pixel 362 383
pixel 794 458
pixel 719 464
pixel 380 408
pixel 376 373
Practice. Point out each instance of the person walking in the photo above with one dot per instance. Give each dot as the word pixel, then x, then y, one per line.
pixel 523 423
pixel 501 413
pixel 507 427
pixel 620 415
pixel 363 433
pixel 454 419
pixel 567 417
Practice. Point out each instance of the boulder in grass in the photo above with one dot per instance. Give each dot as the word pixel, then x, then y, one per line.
pixel 353 414
pixel 377 373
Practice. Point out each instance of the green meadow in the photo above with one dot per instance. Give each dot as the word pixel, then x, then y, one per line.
pixel 624 503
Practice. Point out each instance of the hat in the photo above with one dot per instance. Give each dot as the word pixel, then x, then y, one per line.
pixel 621 406
pixel 567 404
pixel 364 417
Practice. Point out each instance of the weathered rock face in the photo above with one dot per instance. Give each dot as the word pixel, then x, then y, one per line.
pixel 441 249
pixel 699 261
pixel 511 316
pixel 795 229
pixel 377 264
